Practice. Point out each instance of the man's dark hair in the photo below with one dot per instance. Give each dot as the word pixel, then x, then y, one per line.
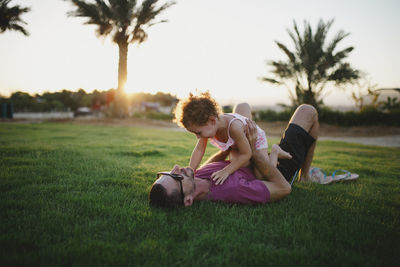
pixel 158 197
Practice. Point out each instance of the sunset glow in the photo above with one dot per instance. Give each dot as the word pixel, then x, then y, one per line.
pixel 224 53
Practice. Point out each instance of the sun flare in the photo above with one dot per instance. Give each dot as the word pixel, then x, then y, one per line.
pixel 129 89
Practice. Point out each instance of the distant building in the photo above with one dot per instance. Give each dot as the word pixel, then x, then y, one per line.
pixel 82 111
pixel 149 106
pixel 384 93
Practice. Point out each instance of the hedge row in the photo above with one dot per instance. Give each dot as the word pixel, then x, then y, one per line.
pixel 348 118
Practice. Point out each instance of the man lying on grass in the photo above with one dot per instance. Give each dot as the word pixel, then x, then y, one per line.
pixel 182 186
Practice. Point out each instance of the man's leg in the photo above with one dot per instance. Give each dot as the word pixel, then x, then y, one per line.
pixel 306 116
pixel 271 176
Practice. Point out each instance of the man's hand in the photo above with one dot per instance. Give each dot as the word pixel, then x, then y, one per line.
pixel 251 133
pixel 220 176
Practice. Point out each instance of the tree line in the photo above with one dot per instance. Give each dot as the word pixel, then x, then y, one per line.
pixel 66 100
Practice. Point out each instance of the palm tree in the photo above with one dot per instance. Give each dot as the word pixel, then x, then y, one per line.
pixel 312 64
pixel 124 20
pixel 10 17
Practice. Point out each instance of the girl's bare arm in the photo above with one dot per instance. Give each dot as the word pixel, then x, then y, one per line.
pixel 198 153
pixel 237 133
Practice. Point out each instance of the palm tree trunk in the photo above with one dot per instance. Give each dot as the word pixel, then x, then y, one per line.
pixel 122 65
pixel 121 98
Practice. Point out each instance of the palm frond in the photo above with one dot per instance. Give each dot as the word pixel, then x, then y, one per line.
pixel 146 14
pixel 289 54
pixel 10 17
pixel 339 37
pixel 281 69
pixel 148 11
pixel 19 28
pixel 296 37
pixel 270 80
pixel 104 9
pixel 321 32
pixel 123 12
pixel 342 54
pixel 96 14
pixel 86 10
pixel 344 73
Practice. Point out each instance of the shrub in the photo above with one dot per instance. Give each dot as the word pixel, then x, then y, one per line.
pixel 153 115
pixel 368 116
pixel 271 115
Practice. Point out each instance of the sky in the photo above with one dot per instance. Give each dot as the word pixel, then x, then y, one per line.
pixel 217 45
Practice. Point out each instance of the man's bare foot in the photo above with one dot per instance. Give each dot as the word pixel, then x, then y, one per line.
pixel 282 154
pixel 307 178
pixel 277 152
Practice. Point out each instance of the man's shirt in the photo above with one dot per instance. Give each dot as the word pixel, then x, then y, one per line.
pixel 240 187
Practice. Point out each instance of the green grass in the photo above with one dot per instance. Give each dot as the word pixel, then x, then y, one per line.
pixel 77 195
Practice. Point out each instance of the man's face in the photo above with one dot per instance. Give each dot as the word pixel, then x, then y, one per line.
pixel 188 185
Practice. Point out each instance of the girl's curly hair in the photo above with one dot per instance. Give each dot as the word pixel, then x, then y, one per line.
pixel 196 110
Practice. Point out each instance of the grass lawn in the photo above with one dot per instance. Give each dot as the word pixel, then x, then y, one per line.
pixel 77 195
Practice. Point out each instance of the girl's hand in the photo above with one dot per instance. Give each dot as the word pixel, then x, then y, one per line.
pixel 220 176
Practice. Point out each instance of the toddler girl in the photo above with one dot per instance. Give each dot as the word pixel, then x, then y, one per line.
pixel 202 116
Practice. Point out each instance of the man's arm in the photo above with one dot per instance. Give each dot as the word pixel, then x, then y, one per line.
pixel 274 180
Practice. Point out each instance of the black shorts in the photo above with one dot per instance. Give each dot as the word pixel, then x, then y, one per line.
pixel 296 141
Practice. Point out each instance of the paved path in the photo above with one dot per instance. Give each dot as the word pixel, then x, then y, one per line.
pixel 387 141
